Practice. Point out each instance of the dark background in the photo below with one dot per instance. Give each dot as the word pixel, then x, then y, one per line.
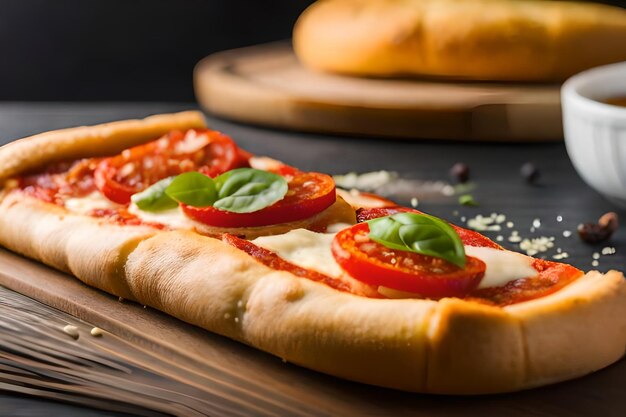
pixel 127 49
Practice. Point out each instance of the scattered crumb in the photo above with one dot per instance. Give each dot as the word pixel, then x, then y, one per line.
pixel 595 255
pixel 120 299
pixel 96 332
pixel 239 303
pixel 608 250
pixel 448 190
pixel 567 233
pixel 536 245
pixel 499 238
pixel 236 319
pixel 510 225
pixel 368 181
pixel 561 255
pixel 71 331
pixel 559 219
pixel 463 218
pixel 455 213
pixel 595 263
pixel 414 202
pixel 226 316
pixel 537 223
pixel 515 237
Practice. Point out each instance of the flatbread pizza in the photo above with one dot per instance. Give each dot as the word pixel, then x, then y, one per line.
pixel 170 214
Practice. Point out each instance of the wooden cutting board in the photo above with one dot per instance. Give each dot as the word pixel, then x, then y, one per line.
pixel 152 364
pixel 266 85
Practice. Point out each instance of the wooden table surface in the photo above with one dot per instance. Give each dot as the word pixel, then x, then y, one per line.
pixel 497 187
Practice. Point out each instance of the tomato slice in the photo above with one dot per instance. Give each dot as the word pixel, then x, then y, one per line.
pixel 551 277
pixel 375 264
pixel 309 193
pixel 468 237
pixel 207 151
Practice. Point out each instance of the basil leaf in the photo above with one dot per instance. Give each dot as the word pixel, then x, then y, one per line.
pixel 246 190
pixel 193 188
pixel 419 233
pixel 154 198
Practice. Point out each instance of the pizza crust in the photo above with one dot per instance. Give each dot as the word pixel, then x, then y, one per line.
pixel 89 141
pixel 469 39
pixel 92 250
pixel 448 347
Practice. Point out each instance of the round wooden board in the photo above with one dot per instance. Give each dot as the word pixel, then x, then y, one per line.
pixel 266 85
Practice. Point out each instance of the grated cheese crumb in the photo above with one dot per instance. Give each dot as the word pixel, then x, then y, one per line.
pixel 414 202
pixel 595 255
pixel 368 181
pixel 71 331
pixel 608 250
pixel 536 245
pixel 96 332
pixel 595 263
pixel 559 219
pixel 567 233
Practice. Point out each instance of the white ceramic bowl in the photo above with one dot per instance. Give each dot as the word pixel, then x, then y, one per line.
pixel 595 132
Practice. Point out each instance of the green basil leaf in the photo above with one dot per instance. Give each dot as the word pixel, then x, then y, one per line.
pixel 246 190
pixel 419 233
pixel 154 198
pixel 193 188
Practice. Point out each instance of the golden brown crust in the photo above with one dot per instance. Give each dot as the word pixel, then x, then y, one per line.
pixel 87 141
pixel 93 250
pixel 473 39
pixel 206 282
pixel 450 347
pixel 576 331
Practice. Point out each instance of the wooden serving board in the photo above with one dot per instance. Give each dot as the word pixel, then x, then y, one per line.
pixel 266 85
pixel 152 364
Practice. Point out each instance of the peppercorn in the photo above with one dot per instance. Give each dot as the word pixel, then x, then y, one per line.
pixel 460 173
pixel 530 173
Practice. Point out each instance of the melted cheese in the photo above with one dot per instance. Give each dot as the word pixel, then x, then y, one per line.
pixel 304 248
pixel 312 250
pixel 174 218
pixel 86 204
pixel 503 266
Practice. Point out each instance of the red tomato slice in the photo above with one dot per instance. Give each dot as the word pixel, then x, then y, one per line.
pixel 309 193
pixel 551 277
pixel 375 264
pixel 207 151
pixel 468 237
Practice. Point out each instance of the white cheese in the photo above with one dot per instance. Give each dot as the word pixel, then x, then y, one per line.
pixel 304 248
pixel 502 265
pixel 174 218
pixel 312 250
pixel 86 204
